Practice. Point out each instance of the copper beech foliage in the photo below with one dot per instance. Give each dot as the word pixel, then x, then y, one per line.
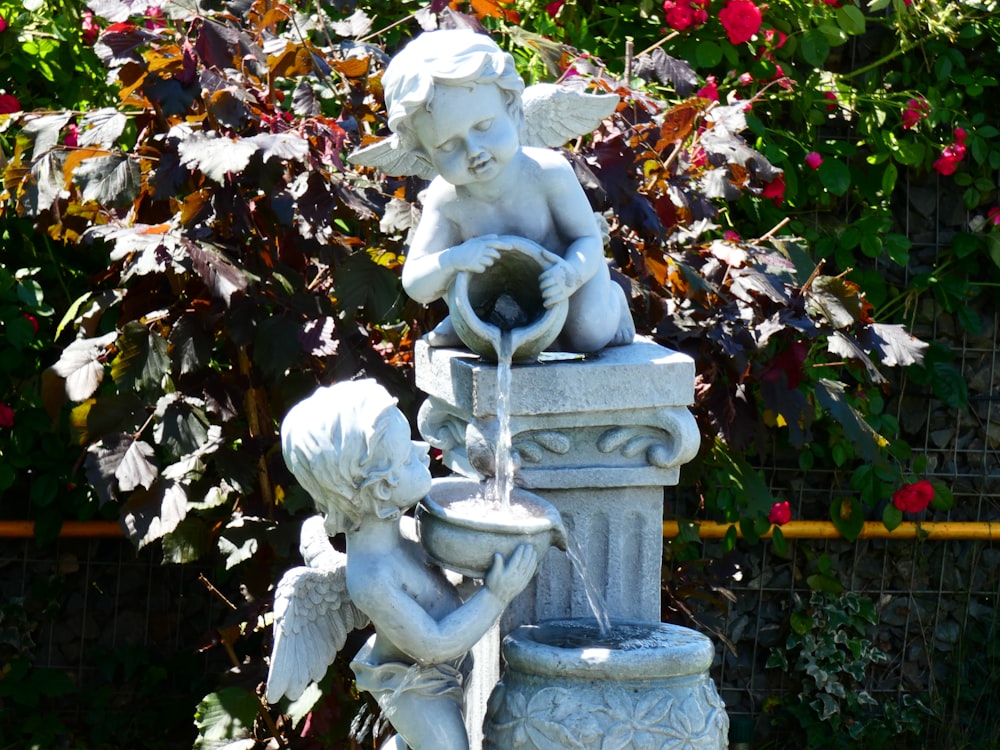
pixel 248 263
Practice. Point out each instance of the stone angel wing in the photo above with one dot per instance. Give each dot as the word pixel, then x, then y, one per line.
pixel 391 157
pixel 312 615
pixel 554 115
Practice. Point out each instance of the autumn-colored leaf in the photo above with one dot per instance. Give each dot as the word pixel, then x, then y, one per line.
pixel 678 122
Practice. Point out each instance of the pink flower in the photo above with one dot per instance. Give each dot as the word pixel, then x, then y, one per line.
pixel 9 104
pixel 745 79
pixel 710 90
pixel 775 190
pixel 6 416
pixel 960 135
pixel 813 160
pixel 947 163
pixel 916 110
pixel 553 8
pixel 993 216
pixel 731 236
pixel 915 497
pixel 72 139
pixel 831 100
pixel 741 19
pixel 3 24
pixel 781 513
pixel 89 29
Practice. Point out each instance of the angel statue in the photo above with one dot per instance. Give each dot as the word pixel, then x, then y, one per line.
pixel 460 114
pixel 349 446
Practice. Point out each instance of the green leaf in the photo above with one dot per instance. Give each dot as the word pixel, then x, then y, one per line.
pixel 848 516
pixel 892 516
pixel 944 499
pixel 949 385
pixel 44 489
pixel 815 48
pixel 851 19
pixel 708 54
pixel 824 582
pixel 225 716
pixel 835 176
pixel 780 545
pixel 889 177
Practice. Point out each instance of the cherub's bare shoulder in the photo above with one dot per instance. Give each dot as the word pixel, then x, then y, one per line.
pixel 550 168
pixel 547 158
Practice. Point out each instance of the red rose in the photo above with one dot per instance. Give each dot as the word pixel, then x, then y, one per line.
pixel 6 416
pixel 9 104
pixel 679 15
pixel 947 163
pixel 710 90
pixel 781 513
pixel 915 497
pixel 993 216
pixel 916 110
pixel 741 19
pixel 775 190
pixel 813 160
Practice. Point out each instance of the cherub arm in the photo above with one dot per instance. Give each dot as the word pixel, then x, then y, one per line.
pixel 575 221
pixel 437 253
pixel 405 623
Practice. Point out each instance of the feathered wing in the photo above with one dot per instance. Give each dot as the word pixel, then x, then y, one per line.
pixel 554 115
pixel 391 157
pixel 313 615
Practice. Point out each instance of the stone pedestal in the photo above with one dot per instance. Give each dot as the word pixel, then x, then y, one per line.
pixel 598 438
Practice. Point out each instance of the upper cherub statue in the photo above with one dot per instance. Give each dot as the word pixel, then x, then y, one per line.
pixel 460 113
pixel 349 447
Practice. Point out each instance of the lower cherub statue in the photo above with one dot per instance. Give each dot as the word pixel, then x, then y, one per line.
pixel 350 448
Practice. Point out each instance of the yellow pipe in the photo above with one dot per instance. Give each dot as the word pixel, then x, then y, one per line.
pixel 968 530
pixel 69 530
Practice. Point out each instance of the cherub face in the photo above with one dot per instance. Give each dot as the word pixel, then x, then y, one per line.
pixel 410 462
pixel 469 134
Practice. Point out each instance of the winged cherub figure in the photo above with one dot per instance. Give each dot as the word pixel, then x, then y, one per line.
pixel 460 114
pixel 349 447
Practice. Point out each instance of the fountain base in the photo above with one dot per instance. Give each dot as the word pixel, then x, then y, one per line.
pixel 643 685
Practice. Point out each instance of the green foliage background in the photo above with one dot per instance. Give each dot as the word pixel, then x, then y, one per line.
pixel 206 288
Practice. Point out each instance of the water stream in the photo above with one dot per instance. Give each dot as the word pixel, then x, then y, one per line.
pixel 594 597
pixel 498 489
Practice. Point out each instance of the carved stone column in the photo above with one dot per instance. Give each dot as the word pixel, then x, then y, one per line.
pixel 599 438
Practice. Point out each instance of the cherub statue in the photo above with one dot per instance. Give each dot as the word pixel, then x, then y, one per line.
pixel 460 114
pixel 350 448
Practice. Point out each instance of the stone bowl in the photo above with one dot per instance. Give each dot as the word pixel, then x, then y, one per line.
pixel 461 531
pixel 506 296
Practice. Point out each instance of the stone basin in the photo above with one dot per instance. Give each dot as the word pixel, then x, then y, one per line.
pixel 462 531
pixel 640 685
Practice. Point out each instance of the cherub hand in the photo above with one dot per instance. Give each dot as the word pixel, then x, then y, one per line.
pixel 558 281
pixel 507 580
pixel 476 254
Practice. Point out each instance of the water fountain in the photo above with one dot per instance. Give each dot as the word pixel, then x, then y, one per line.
pixel 585 439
